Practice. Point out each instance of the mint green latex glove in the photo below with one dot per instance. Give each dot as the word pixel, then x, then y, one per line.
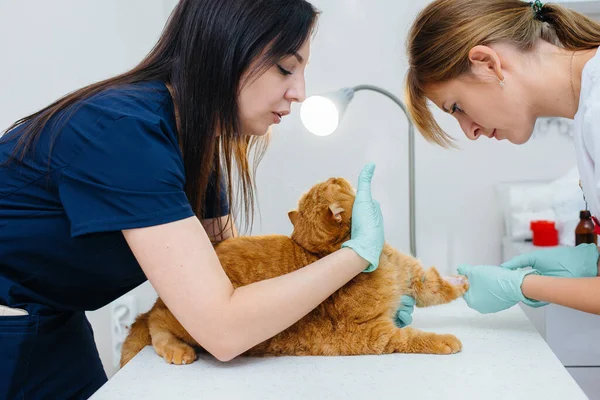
pixel 566 262
pixel 404 312
pixel 366 235
pixel 493 288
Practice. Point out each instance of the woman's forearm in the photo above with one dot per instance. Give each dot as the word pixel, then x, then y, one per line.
pixel 263 309
pixel 182 265
pixel 579 293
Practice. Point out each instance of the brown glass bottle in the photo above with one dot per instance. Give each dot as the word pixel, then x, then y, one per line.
pixel 584 232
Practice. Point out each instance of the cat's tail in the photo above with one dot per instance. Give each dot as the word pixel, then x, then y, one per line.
pixel 138 338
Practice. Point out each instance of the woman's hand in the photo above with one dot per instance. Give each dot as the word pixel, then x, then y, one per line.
pixel 565 262
pixel 366 237
pixel 493 288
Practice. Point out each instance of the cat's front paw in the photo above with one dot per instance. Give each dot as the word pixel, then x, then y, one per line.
pixel 177 353
pixel 460 284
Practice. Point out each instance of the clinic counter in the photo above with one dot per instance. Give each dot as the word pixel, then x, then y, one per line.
pixel 503 357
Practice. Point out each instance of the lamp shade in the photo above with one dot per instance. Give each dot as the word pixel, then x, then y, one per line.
pixel 321 114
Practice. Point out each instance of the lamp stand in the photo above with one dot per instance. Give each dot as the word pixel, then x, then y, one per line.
pixel 411 160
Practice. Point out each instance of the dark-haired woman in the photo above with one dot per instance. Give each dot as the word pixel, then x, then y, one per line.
pixel 130 179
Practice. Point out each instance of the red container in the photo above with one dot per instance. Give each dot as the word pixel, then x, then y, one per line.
pixel 544 233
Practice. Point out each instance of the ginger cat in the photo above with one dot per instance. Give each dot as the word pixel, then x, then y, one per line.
pixel 357 319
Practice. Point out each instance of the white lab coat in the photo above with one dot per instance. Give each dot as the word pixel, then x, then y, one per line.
pixel 586 130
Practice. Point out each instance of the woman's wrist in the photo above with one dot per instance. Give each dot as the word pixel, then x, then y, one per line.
pixel 356 260
pixel 530 286
pixel 598 264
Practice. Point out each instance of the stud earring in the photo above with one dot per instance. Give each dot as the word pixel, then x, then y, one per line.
pixel 501 83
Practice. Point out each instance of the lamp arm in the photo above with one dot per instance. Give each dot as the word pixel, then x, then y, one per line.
pixel 411 160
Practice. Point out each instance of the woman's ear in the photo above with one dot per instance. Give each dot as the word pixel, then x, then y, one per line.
pixel 485 62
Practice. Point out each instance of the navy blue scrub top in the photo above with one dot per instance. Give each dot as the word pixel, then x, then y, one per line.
pixel 115 165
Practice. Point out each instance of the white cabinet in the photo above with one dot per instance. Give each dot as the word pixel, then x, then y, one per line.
pixel 574 336
pixel 588 380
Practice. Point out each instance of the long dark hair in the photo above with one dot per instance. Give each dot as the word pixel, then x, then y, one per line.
pixel 205 48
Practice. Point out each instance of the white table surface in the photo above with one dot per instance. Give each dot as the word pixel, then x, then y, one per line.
pixel 503 357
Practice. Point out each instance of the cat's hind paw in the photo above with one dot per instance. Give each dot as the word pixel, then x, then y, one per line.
pixel 177 353
pixel 444 344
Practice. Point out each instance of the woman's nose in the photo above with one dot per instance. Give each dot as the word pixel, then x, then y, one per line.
pixel 297 93
pixel 471 129
pixel 474 133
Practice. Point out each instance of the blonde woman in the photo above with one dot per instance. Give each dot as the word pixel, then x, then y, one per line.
pixel 497 66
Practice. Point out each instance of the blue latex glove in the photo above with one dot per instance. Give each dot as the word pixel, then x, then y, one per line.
pixel 566 262
pixel 493 288
pixel 404 313
pixel 366 235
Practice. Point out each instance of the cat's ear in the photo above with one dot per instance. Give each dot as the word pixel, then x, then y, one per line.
pixel 336 211
pixel 293 215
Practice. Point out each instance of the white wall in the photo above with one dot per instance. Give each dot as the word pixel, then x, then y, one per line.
pixel 50 48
